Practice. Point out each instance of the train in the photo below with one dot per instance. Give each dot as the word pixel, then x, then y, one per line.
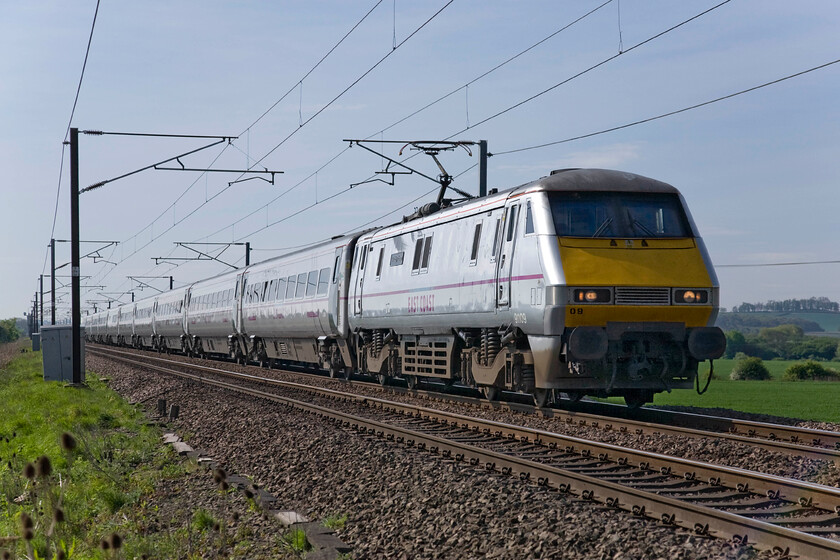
pixel 585 282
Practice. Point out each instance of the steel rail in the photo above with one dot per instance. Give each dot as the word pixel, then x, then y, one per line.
pixel 819 496
pixel 792 444
pixel 668 510
pixel 796 491
pixel 750 428
pixel 788 440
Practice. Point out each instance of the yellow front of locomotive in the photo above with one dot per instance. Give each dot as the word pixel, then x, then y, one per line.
pixel 639 296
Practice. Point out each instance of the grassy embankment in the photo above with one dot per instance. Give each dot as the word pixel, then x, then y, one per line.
pixel 811 400
pixel 93 492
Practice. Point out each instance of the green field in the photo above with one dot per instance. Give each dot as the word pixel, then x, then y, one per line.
pixel 830 322
pixel 810 400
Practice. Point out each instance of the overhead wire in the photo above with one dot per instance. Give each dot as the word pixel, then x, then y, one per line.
pixel 670 113
pixel 70 123
pixel 420 110
pixel 317 64
pixel 760 265
pixel 257 162
pixel 593 67
pixel 217 194
pixel 357 80
pixel 247 129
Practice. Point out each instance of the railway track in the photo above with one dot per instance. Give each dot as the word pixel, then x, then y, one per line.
pixel 796 517
pixel 790 440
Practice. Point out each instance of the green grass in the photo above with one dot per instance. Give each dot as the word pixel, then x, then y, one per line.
pixel 116 459
pixel 335 522
pixel 809 400
pixel 776 368
pixel 107 485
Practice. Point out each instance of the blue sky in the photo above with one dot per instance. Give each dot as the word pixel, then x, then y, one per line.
pixel 759 171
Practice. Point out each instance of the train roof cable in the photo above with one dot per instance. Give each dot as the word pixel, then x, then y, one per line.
pixel 670 113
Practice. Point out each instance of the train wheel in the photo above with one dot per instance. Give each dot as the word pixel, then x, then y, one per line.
pixel 490 393
pixel 383 379
pixel 541 397
pixel 411 381
pixel 575 396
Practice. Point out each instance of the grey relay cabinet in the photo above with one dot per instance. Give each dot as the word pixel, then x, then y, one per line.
pixel 57 346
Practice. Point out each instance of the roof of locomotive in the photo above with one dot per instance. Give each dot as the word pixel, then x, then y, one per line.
pixel 598 180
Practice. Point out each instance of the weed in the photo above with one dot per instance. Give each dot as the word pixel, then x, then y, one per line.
pixel 335 522
pixel 296 541
pixel 202 520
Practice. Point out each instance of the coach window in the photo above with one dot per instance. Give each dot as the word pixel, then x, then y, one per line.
pixel 337 263
pixel 427 251
pixel 281 289
pixel 323 281
pixel 476 239
pixel 529 218
pixel 496 239
pixel 379 264
pixel 301 285
pixel 511 223
pixel 363 257
pixel 418 255
pixel 312 283
pixel 290 287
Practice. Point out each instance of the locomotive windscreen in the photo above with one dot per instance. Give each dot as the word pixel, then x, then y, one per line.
pixel 618 214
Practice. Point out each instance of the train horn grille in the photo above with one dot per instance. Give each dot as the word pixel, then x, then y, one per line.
pixel 642 296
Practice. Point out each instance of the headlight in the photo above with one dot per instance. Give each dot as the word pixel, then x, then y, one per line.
pixel 689 297
pixel 591 295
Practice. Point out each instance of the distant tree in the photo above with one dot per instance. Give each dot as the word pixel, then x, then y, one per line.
pixel 789 306
pixel 812 348
pixel 749 369
pixel 754 322
pixel 8 330
pixel 735 343
pixel 809 370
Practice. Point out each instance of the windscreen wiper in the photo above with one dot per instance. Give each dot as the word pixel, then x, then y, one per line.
pixel 602 227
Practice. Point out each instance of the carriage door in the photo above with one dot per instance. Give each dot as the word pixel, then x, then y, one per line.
pixel 360 279
pixel 505 257
pixel 237 304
